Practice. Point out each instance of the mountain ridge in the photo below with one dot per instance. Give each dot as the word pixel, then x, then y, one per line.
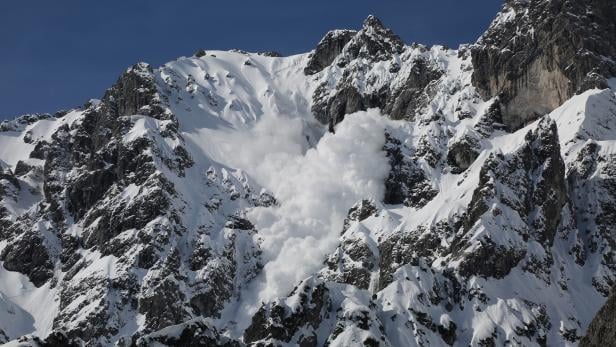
pixel 402 198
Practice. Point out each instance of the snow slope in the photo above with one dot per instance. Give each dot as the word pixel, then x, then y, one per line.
pixel 207 199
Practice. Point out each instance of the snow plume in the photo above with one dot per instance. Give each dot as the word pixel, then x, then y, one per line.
pixel 315 192
pixel 315 189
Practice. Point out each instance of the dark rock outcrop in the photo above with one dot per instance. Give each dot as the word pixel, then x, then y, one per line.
pixel 491 260
pixel 374 42
pixel 539 53
pixel 328 49
pixel 352 263
pixel 359 212
pixel 23 121
pixel 7 176
pixel 530 184
pixel 134 93
pixel 57 338
pixel 195 333
pixel 407 183
pixel 462 154
pixel 408 100
pixel 28 255
pixel 411 247
pixel 278 322
pixel 356 259
pixel 162 305
pixel 271 54
pixel 602 330
pixel 355 53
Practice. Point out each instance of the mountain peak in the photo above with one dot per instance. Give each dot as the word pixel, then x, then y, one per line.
pixel 375 28
pixel 172 211
pixel 330 46
pixel 373 22
pixel 374 40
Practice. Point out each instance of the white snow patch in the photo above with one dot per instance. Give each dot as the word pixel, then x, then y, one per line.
pixel 25 308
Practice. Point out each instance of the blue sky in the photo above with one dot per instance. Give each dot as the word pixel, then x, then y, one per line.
pixel 58 54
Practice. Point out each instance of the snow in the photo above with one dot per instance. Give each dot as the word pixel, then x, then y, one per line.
pixel 16 322
pixel 257 118
pixel 266 130
pixel 587 115
pixel 13 148
pixel 315 192
pixel 246 121
pixel 25 309
pixel 12 145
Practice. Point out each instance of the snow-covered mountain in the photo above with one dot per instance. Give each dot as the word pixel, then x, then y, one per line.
pixel 368 193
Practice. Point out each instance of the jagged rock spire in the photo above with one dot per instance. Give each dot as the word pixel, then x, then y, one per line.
pixel 328 49
pixel 373 22
pixel 373 41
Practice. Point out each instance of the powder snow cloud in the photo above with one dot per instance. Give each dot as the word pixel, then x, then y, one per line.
pixel 314 188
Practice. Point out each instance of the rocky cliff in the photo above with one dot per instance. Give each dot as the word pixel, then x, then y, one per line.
pixel 539 53
pixel 367 193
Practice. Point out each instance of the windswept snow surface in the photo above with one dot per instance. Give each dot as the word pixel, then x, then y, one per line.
pixel 25 309
pixel 12 144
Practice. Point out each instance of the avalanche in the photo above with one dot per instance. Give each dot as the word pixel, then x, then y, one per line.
pixel 366 193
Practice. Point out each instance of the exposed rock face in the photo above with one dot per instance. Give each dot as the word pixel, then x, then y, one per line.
pixel 56 339
pixel 9 185
pixel 328 49
pixel 593 200
pixel 411 247
pixel 539 53
pixel 602 330
pixel 355 54
pixel 37 265
pixel 22 121
pixel 279 322
pixel 407 183
pixel 374 42
pixel 316 308
pixel 529 186
pixel 356 258
pixel 406 101
pixel 272 54
pixel 194 333
pixel 360 212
